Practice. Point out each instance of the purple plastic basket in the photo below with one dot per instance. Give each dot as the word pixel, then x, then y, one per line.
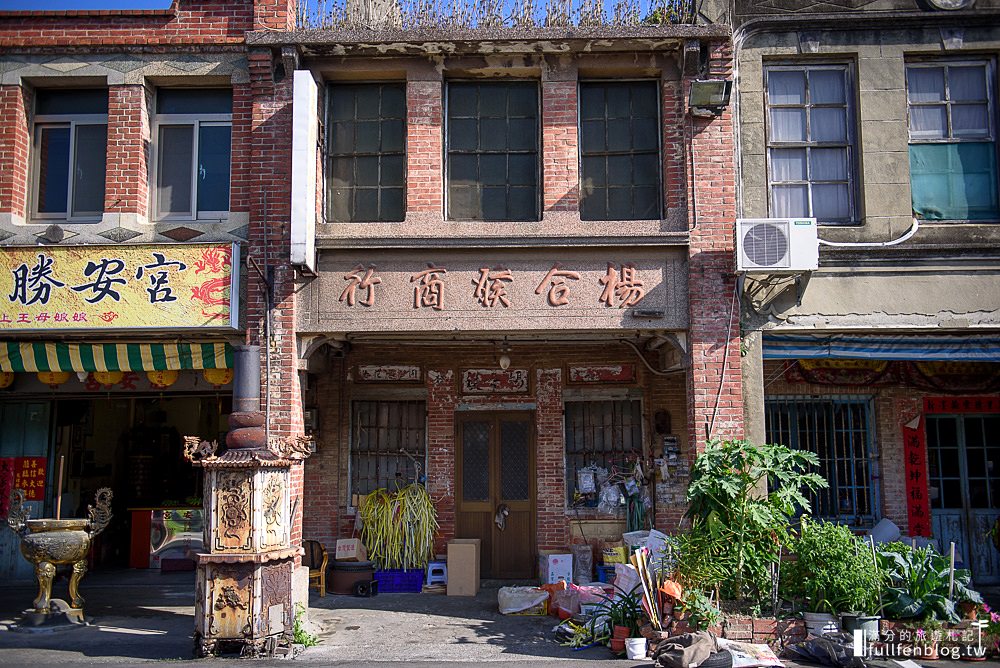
pixel 399 581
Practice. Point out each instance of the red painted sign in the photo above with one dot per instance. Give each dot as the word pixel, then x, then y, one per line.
pixel 918 508
pixel 29 475
pixel 962 405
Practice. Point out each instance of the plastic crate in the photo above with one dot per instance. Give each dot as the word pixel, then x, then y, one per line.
pixel 399 581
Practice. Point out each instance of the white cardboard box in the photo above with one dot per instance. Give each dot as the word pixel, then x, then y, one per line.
pixel 555 567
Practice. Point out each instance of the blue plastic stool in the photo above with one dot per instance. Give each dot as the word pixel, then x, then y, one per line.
pixel 437 573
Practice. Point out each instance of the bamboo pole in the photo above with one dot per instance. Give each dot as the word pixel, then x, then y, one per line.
pixel 59 487
pixel 951 572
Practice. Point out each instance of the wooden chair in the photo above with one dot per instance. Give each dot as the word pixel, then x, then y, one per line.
pixel 316 560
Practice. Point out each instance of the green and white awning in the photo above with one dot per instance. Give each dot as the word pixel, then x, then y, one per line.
pixel 42 356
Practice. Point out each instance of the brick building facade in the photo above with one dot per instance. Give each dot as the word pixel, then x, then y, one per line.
pixel 194 160
pixel 492 347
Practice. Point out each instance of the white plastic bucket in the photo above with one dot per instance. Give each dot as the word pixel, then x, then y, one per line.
pixel 635 648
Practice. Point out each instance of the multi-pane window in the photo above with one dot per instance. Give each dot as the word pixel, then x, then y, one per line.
pixel 839 432
pixel 193 131
pixel 492 144
pixel 953 160
pixel 603 433
pixel 810 164
pixel 620 150
pixel 367 152
pixel 70 141
pixel 388 445
pixel 963 449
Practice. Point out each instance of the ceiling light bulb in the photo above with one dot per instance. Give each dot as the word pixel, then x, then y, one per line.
pixel 504 362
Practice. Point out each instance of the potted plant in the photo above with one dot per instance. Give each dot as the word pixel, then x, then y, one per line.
pixel 617 618
pixel 926 637
pixel 834 572
pixel 699 611
pixel 918 584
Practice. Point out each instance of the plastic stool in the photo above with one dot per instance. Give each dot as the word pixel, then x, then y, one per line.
pixel 437 573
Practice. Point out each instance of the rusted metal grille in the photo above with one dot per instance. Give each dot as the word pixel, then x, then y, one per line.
pixel 388 441
pixel 604 433
pixel 839 431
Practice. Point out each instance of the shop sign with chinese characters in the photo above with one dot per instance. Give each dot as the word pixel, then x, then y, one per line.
pixel 29 475
pixel 465 290
pixel 163 286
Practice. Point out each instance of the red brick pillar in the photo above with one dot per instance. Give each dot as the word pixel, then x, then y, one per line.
pixel 674 150
pixel 274 15
pixel 550 461
pixel 560 141
pixel 441 451
pixel 270 211
pixel 242 177
pixel 14 142
pixel 424 143
pixel 126 182
pixel 715 391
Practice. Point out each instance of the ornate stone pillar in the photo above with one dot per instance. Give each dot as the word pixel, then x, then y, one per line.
pixel 243 597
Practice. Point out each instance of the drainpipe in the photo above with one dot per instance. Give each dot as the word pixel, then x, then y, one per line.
pixel 246 422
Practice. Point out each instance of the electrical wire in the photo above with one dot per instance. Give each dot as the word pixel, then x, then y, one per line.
pixel 914 226
pixel 725 363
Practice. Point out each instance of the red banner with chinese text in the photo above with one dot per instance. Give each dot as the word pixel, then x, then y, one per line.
pixel 918 511
pixel 961 404
pixel 29 475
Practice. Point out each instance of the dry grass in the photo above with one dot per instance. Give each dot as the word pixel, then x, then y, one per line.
pixel 489 14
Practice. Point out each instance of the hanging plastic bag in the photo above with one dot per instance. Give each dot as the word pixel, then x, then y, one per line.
pixel 583 564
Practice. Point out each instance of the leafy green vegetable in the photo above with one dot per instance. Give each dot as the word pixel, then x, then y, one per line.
pixel 918 584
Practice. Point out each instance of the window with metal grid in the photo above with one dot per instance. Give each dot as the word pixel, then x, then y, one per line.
pixel 492 144
pixel 839 431
pixel 620 150
pixel 388 444
pixel 604 433
pixel 367 152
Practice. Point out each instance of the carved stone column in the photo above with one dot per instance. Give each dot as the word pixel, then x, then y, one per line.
pixel 243 601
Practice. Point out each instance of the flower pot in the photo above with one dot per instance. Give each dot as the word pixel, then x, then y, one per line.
pixel 635 648
pixel 818 623
pixel 929 652
pixel 618 645
pixel 621 632
pixel 867 624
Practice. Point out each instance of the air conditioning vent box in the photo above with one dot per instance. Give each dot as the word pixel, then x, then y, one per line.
pixel 776 245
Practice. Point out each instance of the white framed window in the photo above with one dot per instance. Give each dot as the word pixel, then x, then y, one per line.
pixel 69 153
pixel 192 152
pixel 953 154
pixel 810 142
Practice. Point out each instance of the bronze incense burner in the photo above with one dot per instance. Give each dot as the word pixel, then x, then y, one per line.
pixel 48 543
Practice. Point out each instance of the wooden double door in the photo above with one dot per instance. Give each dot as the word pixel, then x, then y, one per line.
pixel 495 490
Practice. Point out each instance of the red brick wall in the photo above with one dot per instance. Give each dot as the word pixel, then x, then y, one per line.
pixel 190 22
pixel 14 142
pixel 242 179
pixel 714 385
pixel 126 182
pixel 424 168
pixel 550 461
pixel 560 157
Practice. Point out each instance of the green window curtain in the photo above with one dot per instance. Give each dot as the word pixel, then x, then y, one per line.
pixel 954 181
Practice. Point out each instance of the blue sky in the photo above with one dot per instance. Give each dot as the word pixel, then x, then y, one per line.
pixel 83 4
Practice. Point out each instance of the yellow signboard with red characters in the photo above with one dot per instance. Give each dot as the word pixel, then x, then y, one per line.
pixel 156 286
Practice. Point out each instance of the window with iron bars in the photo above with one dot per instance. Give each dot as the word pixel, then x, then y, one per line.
pixel 605 433
pixel 388 444
pixel 839 431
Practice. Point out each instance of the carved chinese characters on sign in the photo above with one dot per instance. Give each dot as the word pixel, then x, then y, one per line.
pixel 558 294
pixel 495 381
pixel 373 373
pixel 622 286
pixel 364 279
pixel 429 289
pixel 490 288
pixel 608 373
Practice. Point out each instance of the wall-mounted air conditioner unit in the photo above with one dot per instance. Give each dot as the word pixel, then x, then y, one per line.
pixel 776 245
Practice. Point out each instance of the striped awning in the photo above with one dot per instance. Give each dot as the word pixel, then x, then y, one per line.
pixel 883 347
pixel 57 356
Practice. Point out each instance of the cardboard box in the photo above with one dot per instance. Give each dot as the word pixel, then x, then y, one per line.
pixel 463 566
pixel 350 549
pixel 555 567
